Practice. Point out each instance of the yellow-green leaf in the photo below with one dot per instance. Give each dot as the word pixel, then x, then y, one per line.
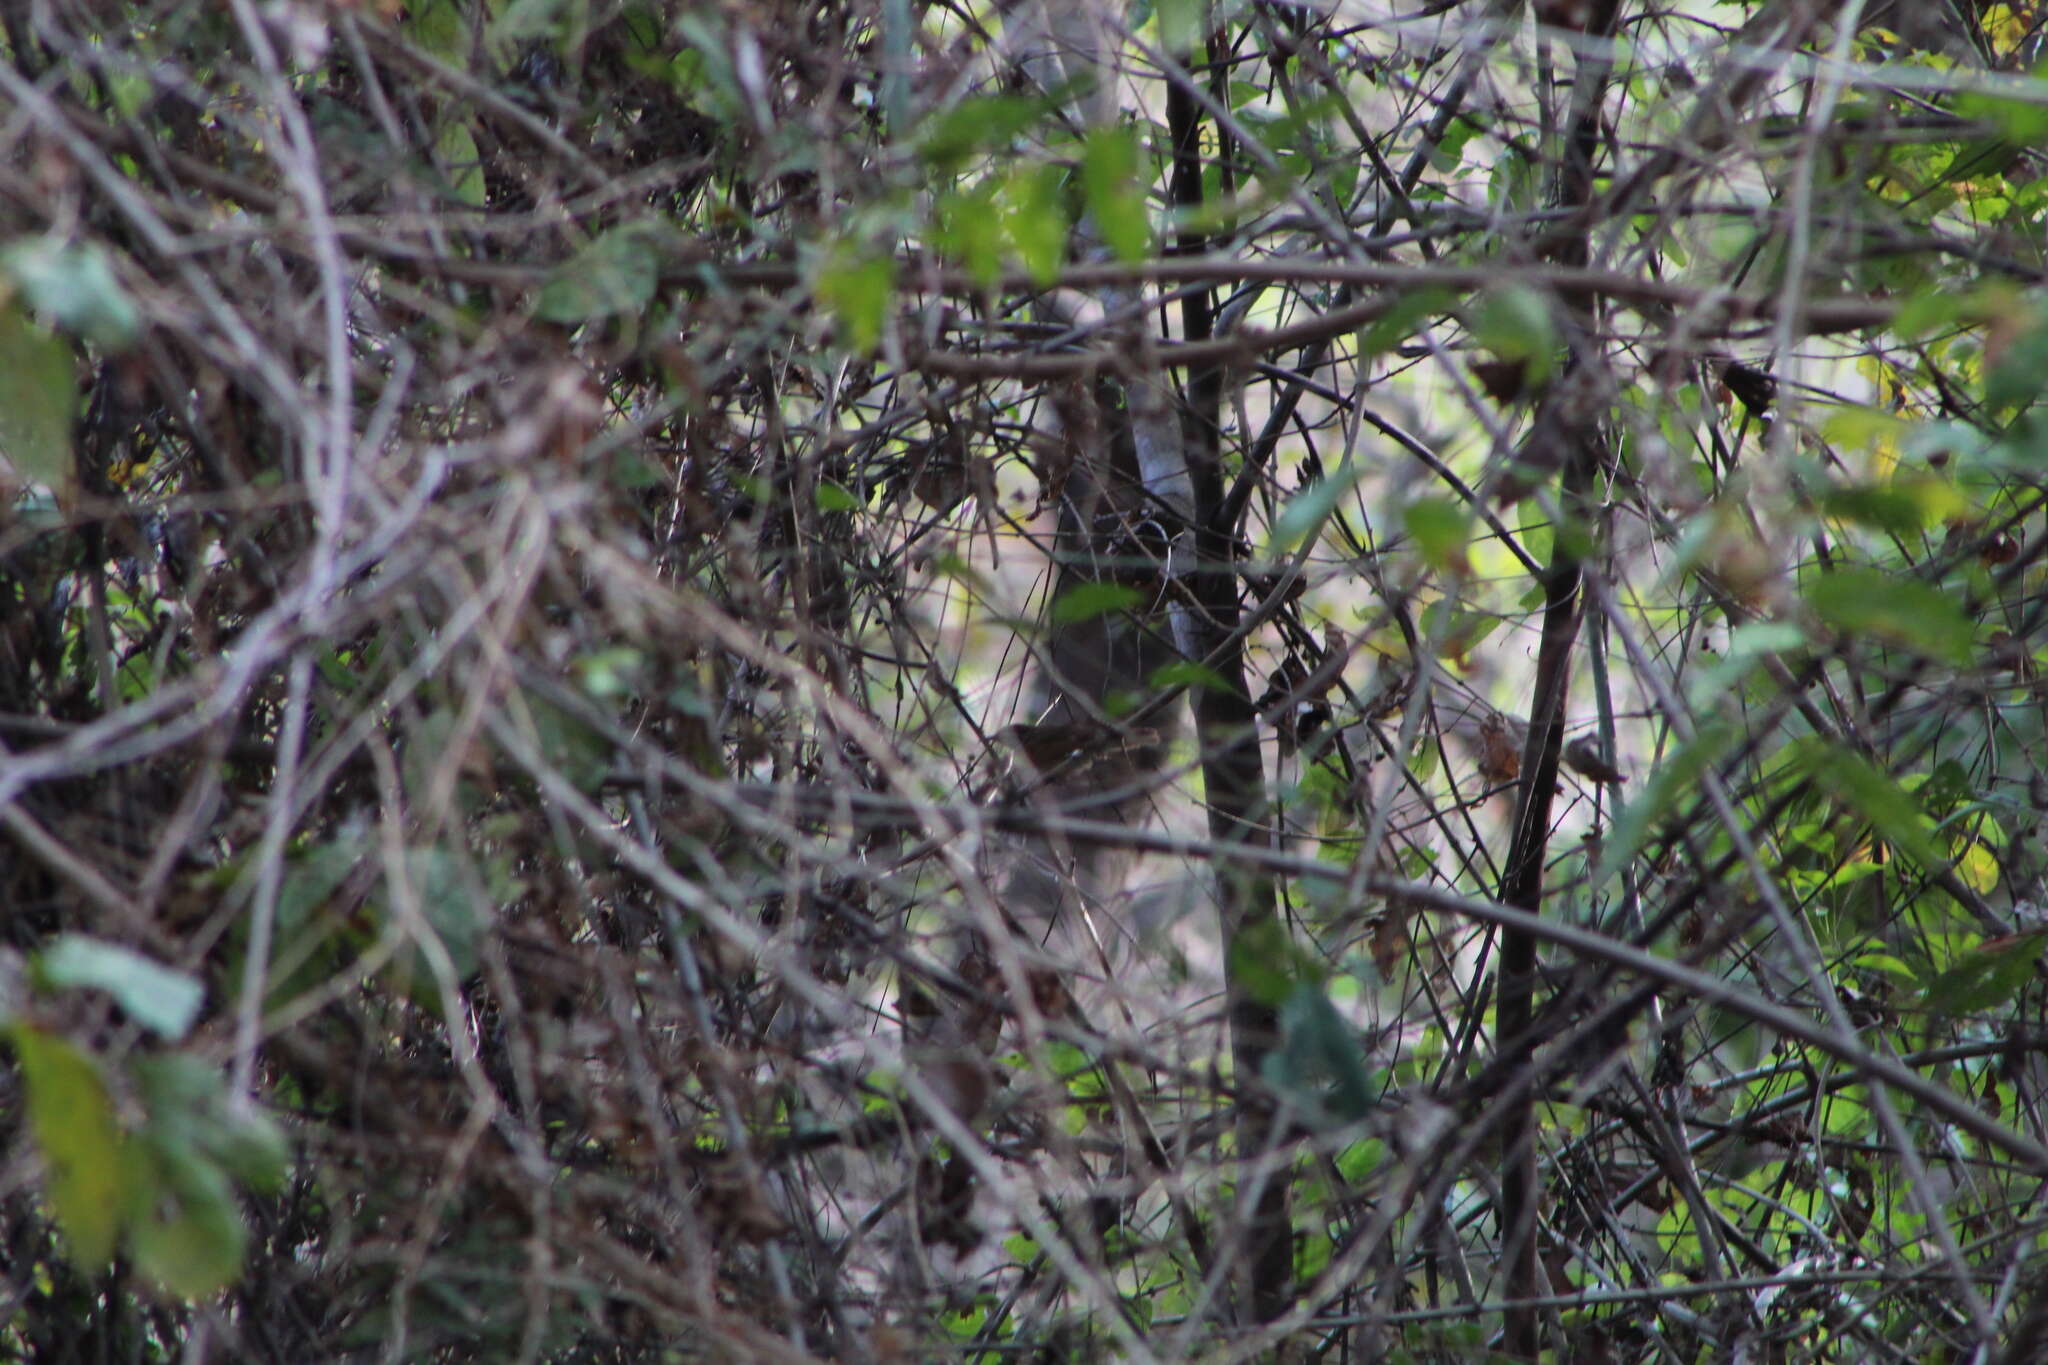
pixel 951 138
pixel 1181 24
pixel 1441 529
pixel 1977 866
pixel 1087 601
pixel 1401 318
pixel 834 497
pixel 438 26
pixel 1895 608
pixel 1188 673
pixel 855 286
pixel 189 1237
pixel 1115 196
pixel 1902 507
pixel 1861 785
pixel 38 399
pixel 970 227
pixel 1514 323
pixel 456 148
pixel 1991 974
pixel 1306 511
pixel 616 273
pixel 1035 220
pixel 91 1180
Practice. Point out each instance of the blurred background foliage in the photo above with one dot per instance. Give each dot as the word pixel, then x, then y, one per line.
pixel 910 679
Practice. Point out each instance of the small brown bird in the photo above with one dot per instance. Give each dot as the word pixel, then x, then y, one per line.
pixel 1046 747
pixel 1583 756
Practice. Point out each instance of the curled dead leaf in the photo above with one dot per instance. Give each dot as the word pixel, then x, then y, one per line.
pixel 1500 747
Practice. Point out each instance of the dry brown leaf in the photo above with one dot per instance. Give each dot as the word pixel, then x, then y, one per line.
pixel 1500 749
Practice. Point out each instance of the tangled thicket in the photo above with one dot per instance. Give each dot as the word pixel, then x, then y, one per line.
pixel 883 680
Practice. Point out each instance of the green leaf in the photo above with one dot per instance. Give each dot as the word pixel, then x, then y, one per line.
pixel 1402 316
pixel 1457 631
pixel 1086 601
pixel 91 1180
pixel 1450 149
pixel 610 673
pixel 1188 673
pixel 439 27
pixel 1514 323
pixel 1903 508
pixel 1946 787
pixel 1361 1159
pixel 131 91
pixel 833 497
pixel 189 1236
pixel 1928 310
pixel 1874 505
pixel 74 287
pixel 1677 775
pixel 305 942
pixel 1854 781
pixel 1306 511
pixel 1893 608
pixel 570 743
pixel 38 400
pixel 970 227
pixel 2016 378
pixel 1115 198
pixel 450 910
pixel 1297 137
pixel 160 999
pixel 1991 974
pixel 456 150
pixel 1887 964
pixel 949 565
pixel 855 286
pixel 1181 24
pixel 1035 220
pixel 617 272
pixel 189 1105
pixel 316 874
pixel 1515 184
pixel 1267 965
pixel 949 139
pixel 519 21
pixel 1320 1063
pixel 2020 120
pixel 1441 529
